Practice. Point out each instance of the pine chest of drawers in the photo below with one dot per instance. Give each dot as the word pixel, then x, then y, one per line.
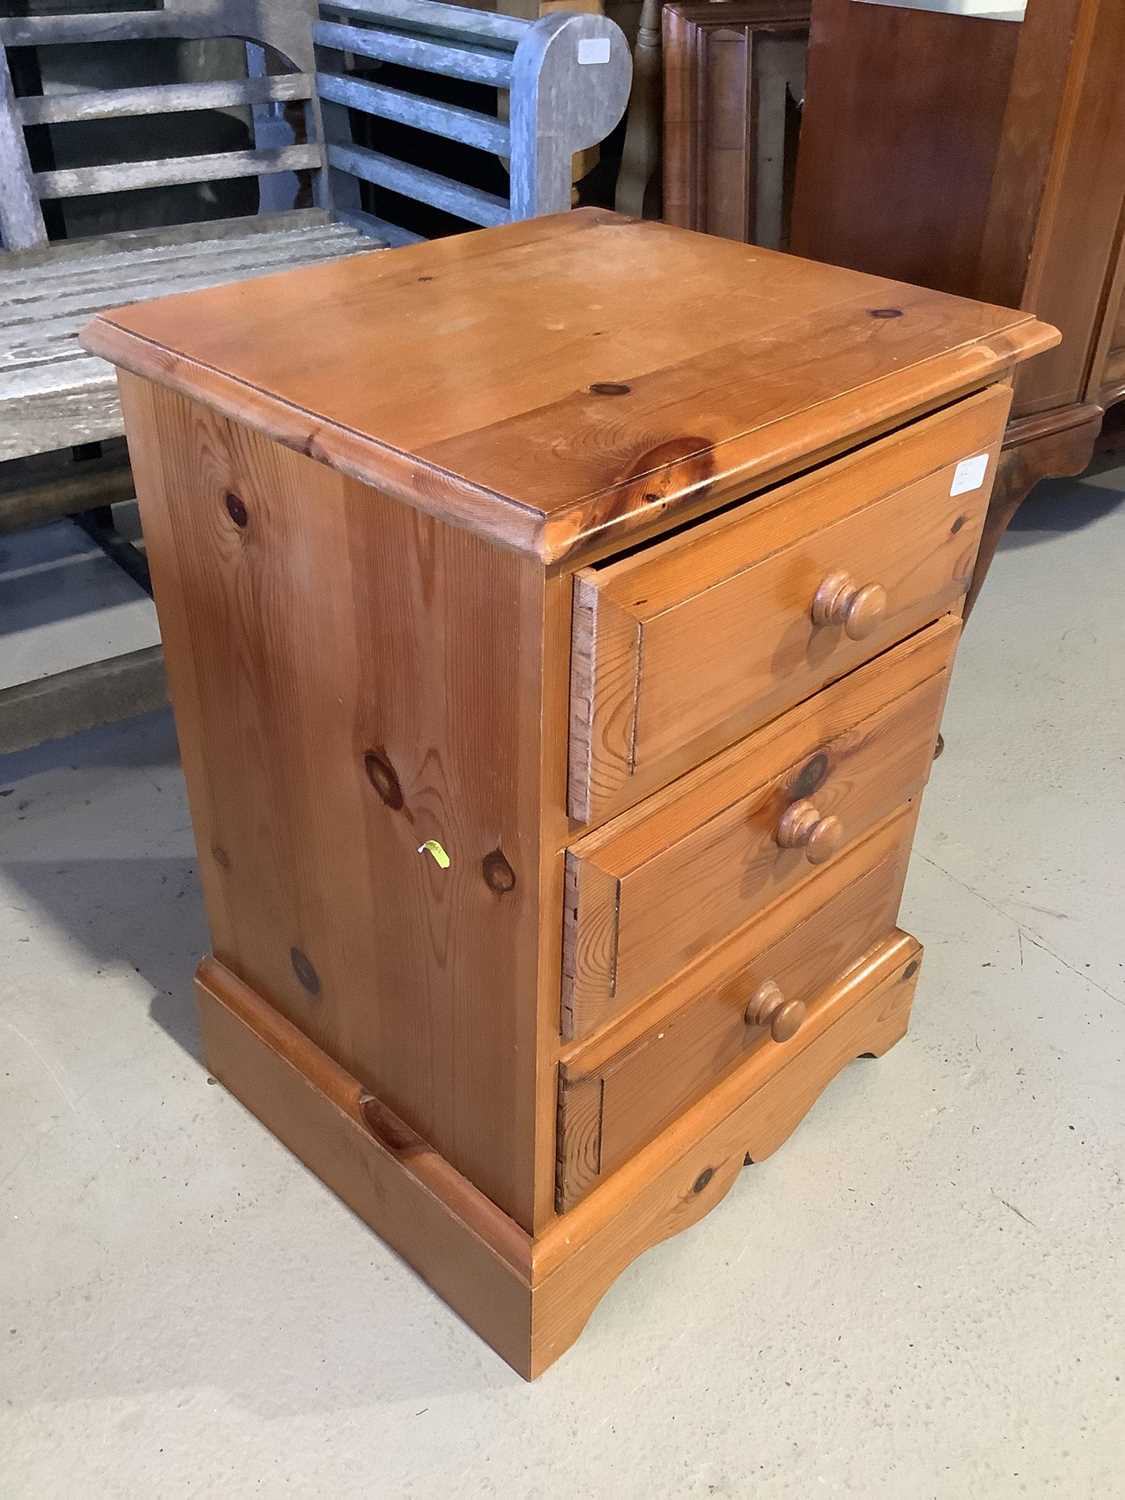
pixel 558 620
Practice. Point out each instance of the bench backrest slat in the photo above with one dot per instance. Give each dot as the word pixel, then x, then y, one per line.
pixel 449 120
pixel 162 98
pixel 456 60
pixel 126 176
pixel 454 22
pixel 417 182
pixel 281 24
pixel 284 27
pixel 568 78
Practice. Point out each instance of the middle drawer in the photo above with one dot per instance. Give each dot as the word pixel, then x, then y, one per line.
pixel 649 892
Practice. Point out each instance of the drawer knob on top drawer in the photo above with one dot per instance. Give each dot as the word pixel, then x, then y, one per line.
pixel 802 827
pixel 769 1007
pixel 859 608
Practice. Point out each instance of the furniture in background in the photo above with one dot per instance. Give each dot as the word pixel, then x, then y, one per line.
pixel 61 448
pixel 530 10
pixel 600 656
pixel 983 157
pixel 566 76
pixel 734 80
pixel 640 156
pixel 566 80
pixel 713 87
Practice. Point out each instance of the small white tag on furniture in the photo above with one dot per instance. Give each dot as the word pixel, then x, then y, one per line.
pixel 593 49
pixel 969 474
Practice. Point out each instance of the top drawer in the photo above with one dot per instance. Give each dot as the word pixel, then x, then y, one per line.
pixel 682 647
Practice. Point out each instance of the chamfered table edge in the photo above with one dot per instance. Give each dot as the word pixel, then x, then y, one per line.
pixel 616 515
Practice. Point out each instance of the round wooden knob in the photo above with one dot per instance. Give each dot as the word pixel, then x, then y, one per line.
pixel 858 608
pixel 769 1007
pixel 802 827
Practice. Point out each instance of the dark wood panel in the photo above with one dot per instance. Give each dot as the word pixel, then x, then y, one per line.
pixel 1074 255
pixel 902 128
pixel 733 73
pixel 1027 142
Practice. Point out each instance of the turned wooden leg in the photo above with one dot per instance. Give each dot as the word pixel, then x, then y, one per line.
pixel 641 152
pixel 1046 446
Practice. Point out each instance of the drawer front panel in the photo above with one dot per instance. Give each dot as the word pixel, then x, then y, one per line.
pixel 684 647
pixel 658 886
pixel 611 1105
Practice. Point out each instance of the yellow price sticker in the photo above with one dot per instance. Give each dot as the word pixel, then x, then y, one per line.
pixel 435 850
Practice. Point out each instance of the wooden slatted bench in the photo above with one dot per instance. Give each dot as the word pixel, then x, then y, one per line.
pixel 566 78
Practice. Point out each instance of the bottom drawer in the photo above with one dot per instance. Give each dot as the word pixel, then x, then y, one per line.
pixel 616 1094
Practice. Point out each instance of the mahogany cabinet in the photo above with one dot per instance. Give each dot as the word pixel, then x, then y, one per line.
pixel 558 620
pixel 734 81
pixel 986 158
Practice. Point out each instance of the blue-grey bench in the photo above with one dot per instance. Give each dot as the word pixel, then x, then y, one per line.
pixel 566 79
pixel 562 83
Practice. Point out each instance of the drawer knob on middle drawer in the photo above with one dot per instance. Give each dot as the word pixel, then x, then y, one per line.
pixel 769 1007
pixel 858 608
pixel 802 827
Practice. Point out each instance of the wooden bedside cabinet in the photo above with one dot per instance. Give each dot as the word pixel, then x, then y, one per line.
pixel 558 619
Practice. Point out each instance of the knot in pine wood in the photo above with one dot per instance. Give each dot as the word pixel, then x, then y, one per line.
pixel 236 509
pixel 305 971
pixel 810 776
pixel 498 873
pixel 383 777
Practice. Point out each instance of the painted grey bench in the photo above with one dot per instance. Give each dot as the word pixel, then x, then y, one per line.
pixel 566 81
pixel 567 78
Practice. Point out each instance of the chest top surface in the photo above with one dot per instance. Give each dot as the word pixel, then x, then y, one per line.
pixel 578 376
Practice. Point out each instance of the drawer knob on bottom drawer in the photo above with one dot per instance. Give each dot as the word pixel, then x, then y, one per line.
pixel 858 608
pixel 802 826
pixel 769 1007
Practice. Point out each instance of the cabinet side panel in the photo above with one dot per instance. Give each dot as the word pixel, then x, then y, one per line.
pixel 352 679
pixel 899 140
pixel 1071 267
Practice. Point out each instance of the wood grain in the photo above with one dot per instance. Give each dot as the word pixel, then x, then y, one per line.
pixel 1082 188
pixel 1004 180
pixel 717 965
pixel 469 1252
pixel 728 67
pixel 71 182
pixel 161 98
pixel 529 1300
pixel 900 140
pixel 608 1111
pixel 52 393
pixel 690 1167
pixel 21 219
pixel 1107 375
pixel 650 893
pixel 682 647
pixel 364 670
pixel 288 700
pixel 531 452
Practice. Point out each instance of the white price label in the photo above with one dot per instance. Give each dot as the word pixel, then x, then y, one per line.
pixel 969 474
pixel 593 49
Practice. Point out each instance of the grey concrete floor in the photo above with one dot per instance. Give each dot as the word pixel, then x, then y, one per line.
pixel 920 1295
pixel 64 603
